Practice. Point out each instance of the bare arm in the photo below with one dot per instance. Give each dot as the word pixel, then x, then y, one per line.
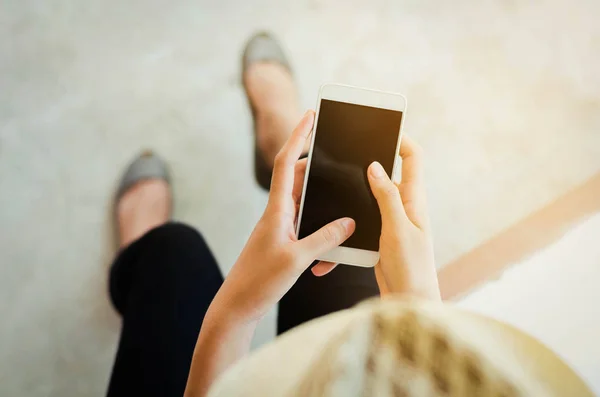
pixel 224 338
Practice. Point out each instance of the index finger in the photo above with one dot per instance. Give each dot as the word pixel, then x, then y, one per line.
pixel 412 162
pixel 412 186
pixel 282 182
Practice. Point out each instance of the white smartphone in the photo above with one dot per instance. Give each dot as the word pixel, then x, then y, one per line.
pixel 353 127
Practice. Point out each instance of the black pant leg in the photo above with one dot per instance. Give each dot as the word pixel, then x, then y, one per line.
pixel 162 285
pixel 313 296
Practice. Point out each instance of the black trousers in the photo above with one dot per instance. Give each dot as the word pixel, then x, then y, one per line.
pixel 162 285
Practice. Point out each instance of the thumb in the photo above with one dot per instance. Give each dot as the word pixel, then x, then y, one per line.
pixel 387 195
pixel 326 238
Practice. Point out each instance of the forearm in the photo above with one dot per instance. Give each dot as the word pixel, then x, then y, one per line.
pixel 224 338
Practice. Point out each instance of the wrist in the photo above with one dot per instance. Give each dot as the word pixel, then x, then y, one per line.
pixel 226 311
pixel 225 337
pixel 420 281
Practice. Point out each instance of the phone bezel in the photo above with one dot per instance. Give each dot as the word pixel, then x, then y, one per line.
pixel 358 96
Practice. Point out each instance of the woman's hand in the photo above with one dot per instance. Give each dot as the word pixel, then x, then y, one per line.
pixel 274 258
pixel 406 263
pixel 268 266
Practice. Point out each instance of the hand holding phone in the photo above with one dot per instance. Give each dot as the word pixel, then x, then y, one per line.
pixel 406 264
pixel 406 261
pixel 273 257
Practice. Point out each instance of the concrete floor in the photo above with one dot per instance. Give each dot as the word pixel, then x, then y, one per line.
pixel 504 96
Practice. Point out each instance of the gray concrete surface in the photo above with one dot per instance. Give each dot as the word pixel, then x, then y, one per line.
pixel 504 96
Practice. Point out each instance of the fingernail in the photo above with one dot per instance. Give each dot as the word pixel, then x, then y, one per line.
pixel 348 224
pixel 377 170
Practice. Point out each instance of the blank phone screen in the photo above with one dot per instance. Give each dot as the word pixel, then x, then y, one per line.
pixel 348 138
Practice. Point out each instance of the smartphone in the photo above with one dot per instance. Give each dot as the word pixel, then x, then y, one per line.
pixel 353 127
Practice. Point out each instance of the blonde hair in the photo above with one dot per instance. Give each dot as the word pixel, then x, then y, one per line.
pixel 403 350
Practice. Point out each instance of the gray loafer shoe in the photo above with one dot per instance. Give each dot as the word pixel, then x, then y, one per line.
pixel 262 47
pixel 147 165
